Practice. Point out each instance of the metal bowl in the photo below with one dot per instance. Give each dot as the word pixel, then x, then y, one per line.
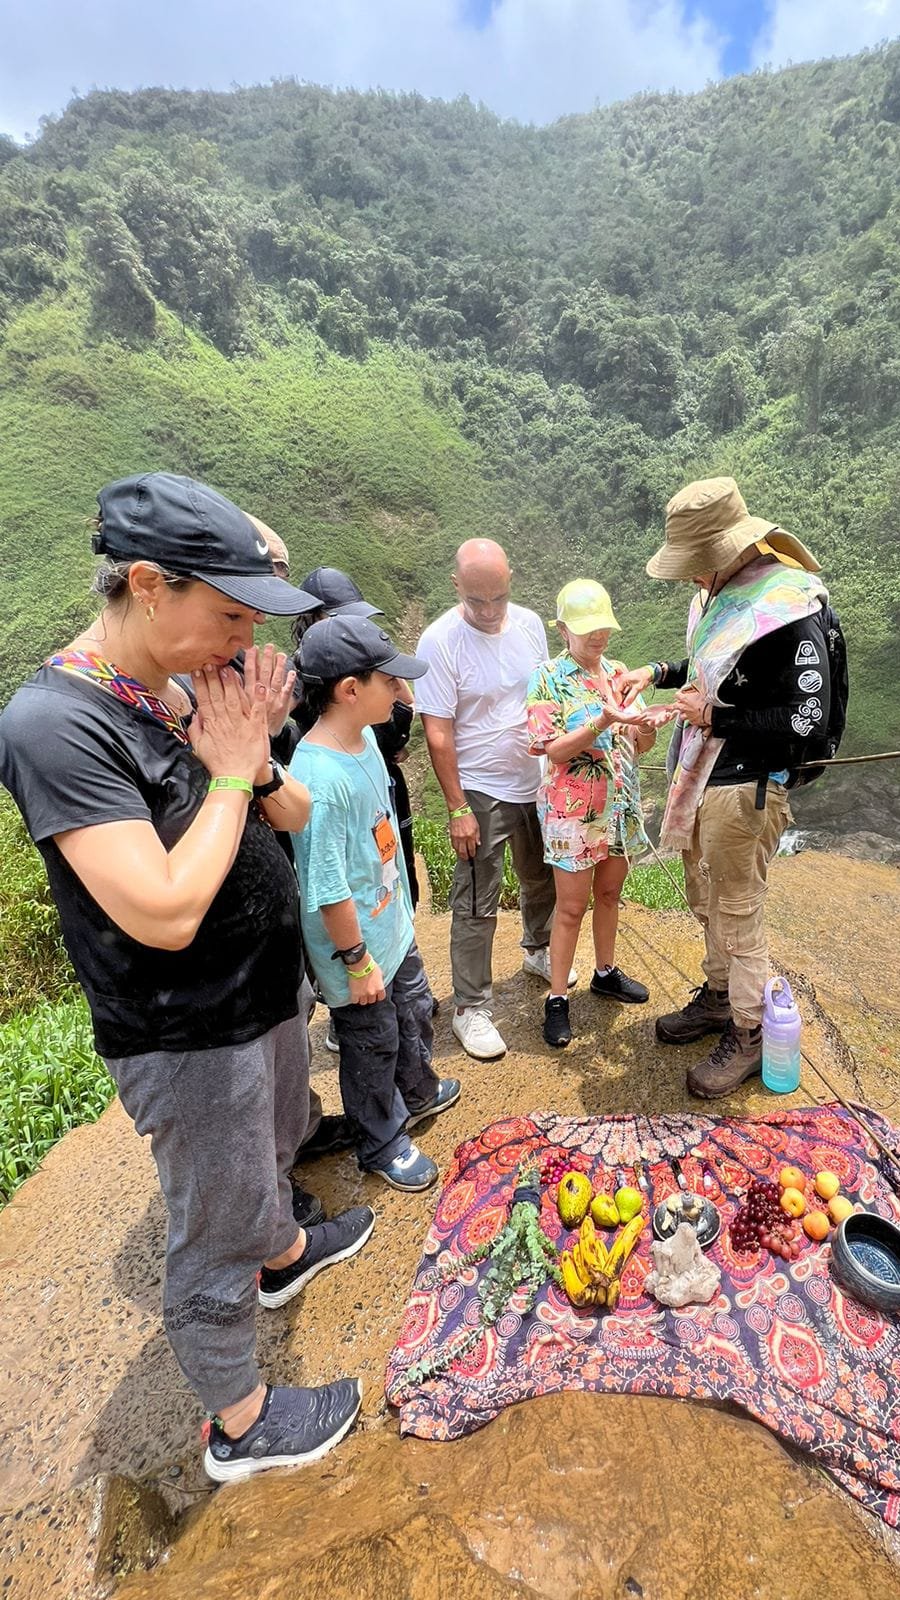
pixel 707 1223
pixel 865 1260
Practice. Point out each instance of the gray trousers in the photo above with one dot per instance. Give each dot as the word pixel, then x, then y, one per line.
pixel 224 1125
pixel 475 894
pixel 385 1062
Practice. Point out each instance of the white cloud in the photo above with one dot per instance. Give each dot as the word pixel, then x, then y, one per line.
pixel 806 30
pixel 535 59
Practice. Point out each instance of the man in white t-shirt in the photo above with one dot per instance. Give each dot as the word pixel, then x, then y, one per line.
pixel 480 657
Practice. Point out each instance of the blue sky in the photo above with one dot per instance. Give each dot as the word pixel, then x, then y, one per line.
pixel 531 59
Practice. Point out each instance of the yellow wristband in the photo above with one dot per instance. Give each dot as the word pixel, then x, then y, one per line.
pixel 461 811
pixel 363 971
pixel 230 783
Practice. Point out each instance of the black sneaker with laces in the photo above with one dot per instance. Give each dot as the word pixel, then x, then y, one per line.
pixel 326 1243
pixel 556 1021
pixel 295 1427
pixel 614 985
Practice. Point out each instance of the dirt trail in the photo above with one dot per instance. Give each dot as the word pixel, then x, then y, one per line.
pixel 567 1496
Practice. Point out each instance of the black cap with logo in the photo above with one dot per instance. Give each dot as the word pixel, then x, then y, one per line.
pixel 337 592
pixel 192 531
pixel 340 646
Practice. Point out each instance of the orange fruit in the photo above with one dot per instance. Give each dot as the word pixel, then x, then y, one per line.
pixel 826 1185
pixel 840 1208
pixel 792 1201
pixel 816 1226
pixel 792 1178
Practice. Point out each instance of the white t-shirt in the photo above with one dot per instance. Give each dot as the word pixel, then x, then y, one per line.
pixel 479 680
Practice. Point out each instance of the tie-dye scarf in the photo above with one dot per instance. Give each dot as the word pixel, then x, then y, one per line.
pixel 761 597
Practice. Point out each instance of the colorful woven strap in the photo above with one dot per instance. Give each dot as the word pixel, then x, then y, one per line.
pixel 128 690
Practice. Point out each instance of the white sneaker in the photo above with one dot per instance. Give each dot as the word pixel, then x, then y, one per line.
pixel 537 962
pixel 477 1034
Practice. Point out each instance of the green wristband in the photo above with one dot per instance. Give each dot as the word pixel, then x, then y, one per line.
pixel 363 971
pixel 461 811
pixel 230 783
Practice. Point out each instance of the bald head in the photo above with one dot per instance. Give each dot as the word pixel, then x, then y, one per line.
pixel 483 557
pixel 482 578
pixel 278 550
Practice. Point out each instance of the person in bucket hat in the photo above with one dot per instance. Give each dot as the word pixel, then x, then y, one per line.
pixel 589 803
pixel 753 685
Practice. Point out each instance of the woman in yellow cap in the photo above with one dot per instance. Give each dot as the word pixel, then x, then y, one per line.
pixel 590 801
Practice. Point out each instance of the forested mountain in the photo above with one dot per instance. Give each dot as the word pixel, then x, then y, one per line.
pixel 384 323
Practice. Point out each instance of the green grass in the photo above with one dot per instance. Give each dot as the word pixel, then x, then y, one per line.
pixel 51 1080
pixel 34 966
pixel 646 885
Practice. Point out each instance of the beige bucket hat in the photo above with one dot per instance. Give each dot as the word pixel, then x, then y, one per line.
pixel 708 527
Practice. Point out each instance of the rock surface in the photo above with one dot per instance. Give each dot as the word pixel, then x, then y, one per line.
pixel 571 1495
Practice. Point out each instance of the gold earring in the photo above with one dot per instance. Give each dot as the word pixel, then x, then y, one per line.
pixel 151 613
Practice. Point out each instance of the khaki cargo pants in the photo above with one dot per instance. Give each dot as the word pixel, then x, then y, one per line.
pixel 725 874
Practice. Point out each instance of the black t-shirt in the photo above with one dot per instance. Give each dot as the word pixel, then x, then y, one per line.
pixel 73 756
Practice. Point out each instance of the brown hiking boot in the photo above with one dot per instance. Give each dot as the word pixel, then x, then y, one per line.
pixel 707 1011
pixel 738 1055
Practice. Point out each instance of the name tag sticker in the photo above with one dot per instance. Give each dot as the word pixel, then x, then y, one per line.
pixel 385 838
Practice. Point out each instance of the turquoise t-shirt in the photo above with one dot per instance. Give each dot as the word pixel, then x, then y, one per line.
pixel 338 857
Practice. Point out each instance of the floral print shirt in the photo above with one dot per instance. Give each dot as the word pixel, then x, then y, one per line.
pixel 591 806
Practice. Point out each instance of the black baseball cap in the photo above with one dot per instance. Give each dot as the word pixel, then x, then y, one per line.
pixel 194 532
pixel 338 593
pixel 337 647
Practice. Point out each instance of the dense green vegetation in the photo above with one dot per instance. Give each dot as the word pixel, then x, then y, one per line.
pixel 383 322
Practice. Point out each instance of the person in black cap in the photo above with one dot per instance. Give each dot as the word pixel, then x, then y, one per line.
pixel 355 905
pixel 179 911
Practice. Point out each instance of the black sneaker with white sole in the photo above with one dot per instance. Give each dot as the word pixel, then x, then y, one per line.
pixel 307 1208
pixel 294 1428
pixel 557 1028
pixel 326 1243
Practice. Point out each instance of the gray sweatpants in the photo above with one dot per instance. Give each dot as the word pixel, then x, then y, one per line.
pixel 385 1062
pixel 224 1125
pixel 475 893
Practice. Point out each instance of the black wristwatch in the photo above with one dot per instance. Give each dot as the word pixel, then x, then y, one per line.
pixel 261 791
pixel 353 954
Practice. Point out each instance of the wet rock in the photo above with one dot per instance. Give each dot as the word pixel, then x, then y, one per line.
pixel 572 1497
pixel 78 1543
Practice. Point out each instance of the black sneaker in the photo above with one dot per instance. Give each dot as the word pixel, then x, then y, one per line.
pixel 614 985
pixel 307 1208
pixel 332 1134
pixel 295 1427
pixel 326 1243
pixel 556 1021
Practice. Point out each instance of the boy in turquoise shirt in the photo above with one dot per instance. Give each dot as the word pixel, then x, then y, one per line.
pixel 355 904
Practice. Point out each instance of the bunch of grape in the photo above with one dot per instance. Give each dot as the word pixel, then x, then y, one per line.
pixel 758 1215
pixel 554 1167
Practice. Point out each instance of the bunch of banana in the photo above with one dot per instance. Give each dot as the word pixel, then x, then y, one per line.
pixel 590 1271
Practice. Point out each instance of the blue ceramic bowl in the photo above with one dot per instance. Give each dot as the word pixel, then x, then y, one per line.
pixel 865 1260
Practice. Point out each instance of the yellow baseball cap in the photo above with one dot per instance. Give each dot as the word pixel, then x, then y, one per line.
pixel 585 607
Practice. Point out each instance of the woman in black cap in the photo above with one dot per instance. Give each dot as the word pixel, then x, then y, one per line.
pixel 179 911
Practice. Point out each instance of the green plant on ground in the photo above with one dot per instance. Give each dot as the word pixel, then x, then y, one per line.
pixel 34 965
pixel 51 1080
pixel 646 885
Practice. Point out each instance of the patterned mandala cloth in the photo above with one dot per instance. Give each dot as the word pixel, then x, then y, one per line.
pixel 780 1340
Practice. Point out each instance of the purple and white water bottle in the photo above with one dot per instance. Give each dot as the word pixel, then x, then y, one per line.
pixel 781 1027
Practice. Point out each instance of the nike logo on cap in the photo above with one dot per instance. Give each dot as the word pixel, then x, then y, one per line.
pixel 262 547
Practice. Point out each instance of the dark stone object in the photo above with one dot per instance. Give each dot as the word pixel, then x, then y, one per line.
pixel 865 1260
